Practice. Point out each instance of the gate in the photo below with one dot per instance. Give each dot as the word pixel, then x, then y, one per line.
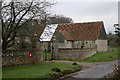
pixel 46 55
pixel 52 52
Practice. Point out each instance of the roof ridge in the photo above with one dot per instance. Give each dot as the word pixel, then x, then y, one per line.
pixel 81 22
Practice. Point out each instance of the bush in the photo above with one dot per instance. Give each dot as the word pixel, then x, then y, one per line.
pixel 77 68
pixel 54 76
pixel 116 73
pixel 56 69
pixel 65 72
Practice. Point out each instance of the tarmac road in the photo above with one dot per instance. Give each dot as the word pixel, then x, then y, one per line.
pixel 98 70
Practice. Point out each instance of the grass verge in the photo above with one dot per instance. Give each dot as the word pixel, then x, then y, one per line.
pixel 47 55
pixel 41 70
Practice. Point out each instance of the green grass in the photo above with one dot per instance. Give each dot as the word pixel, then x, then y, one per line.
pixel 101 56
pixel 48 54
pixel 41 70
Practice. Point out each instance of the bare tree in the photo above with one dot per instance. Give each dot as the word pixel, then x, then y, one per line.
pixel 16 14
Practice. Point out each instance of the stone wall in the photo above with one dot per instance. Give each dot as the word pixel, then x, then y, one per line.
pixel 21 57
pixel 102 45
pixel 75 53
pixel 65 44
pixel 87 44
pixel 44 45
pixel 77 44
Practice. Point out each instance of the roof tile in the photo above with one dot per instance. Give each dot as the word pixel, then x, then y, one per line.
pixel 80 31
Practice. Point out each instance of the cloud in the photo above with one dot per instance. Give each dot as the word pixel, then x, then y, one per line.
pixel 90 11
pixel 87 0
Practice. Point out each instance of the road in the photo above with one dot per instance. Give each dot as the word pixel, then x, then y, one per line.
pixel 92 70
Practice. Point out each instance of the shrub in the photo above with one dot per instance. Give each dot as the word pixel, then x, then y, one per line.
pixel 76 69
pixel 56 69
pixel 116 73
pixel 65 72
pixel 54 76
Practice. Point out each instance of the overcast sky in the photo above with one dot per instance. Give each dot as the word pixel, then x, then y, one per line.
pixel 84 11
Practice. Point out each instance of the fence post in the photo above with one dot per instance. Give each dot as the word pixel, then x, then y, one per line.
pixel 45 54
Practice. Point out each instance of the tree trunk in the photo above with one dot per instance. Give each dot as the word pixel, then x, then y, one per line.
pixel 4 44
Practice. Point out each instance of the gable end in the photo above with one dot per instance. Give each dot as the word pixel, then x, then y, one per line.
pixel 102 33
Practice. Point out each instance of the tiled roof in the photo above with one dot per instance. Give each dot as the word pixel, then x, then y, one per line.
pixel 80 31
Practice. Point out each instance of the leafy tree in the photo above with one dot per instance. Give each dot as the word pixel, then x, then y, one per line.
pixel 112 39
pixel 17 14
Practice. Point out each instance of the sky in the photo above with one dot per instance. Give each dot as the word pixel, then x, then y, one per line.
pixel 89 11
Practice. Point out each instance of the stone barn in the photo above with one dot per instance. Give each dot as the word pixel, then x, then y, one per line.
pixel 77 35
pixel 82 35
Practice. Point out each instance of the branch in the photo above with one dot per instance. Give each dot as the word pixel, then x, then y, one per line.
pixel 13 14
pixel 12 18
pixel 11 44
pixel 10 30
pixel 26 21
pixel 18 27
pixel 13 37
pixel 5 6
pixel 20 12
pixel 24 14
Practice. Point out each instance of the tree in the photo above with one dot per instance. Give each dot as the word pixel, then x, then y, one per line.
pixel 30 32
pixel 17 14
pixel 59 19
pixel 117 31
